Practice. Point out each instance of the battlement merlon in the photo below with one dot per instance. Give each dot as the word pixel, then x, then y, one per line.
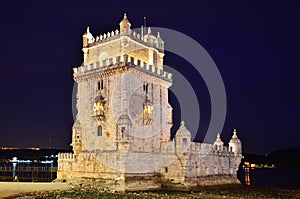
pixel 119 64
pixel 146 47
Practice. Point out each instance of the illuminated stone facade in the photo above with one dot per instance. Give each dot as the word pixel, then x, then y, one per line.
pixel 121 135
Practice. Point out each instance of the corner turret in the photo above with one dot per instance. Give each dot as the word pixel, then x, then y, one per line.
pixel 124 123
pixel 76 137
pixel 219 143
pixel 124 24
pixel 235 144
pixel 182 138
pixel 87 38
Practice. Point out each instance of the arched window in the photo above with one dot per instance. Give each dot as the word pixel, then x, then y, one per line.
pixel 98 86
pixel 99 131
pixel 145 87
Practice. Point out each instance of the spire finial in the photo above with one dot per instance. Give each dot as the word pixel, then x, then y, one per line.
pixel 234 133
pixel 88 29
pixel 182 123
pixel 125 16
pixel 218 135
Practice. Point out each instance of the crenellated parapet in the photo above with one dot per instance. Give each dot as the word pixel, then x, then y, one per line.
pixel 155 41
pixel 148 39
pixel 106 67
pixel 206 148
pixel 66 156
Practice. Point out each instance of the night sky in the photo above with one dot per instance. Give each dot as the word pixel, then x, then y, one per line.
pixel 255 46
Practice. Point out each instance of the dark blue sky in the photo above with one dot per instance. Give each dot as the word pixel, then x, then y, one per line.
pixel 255 46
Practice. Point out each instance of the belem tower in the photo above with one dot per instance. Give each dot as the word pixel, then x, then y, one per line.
pixel 121 136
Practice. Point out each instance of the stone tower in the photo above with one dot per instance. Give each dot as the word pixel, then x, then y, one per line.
pixel 121 135
pixel 122 91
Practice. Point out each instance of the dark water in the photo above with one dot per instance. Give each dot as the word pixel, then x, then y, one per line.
pixel 27 172
pixel 281 178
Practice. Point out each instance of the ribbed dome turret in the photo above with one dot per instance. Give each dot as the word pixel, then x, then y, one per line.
pixel 235 143
pixel 183 131
pixel 218 141
pixel 235 139
pixel 124 24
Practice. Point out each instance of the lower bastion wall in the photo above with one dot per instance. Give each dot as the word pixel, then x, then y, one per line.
pixel 199 164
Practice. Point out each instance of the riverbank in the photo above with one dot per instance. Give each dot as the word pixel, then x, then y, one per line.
pixel 10 189
pixel 220 191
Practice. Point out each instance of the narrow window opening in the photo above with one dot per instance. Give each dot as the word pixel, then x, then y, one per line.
pixel 123 129
pixel 166 169
pixel 184 140
pixel 145 87
pixel 99 132
pixel 98 86
pixel 101 84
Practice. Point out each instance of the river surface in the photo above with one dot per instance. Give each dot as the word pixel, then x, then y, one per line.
pixel 281 178
pixel 27 172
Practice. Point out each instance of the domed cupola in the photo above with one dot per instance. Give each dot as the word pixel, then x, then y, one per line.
pixel 124 24
pixel 183 135
pixel 124 123
pixel 219 143
pixel 235 143
pixel 149 37
pixel 124 120
pixel 87 38
pixel 183 131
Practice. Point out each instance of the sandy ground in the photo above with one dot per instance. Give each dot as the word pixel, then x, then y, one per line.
pixel 14 188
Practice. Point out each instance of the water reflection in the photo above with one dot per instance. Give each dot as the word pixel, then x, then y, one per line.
pixel 20 170
pixel 247 176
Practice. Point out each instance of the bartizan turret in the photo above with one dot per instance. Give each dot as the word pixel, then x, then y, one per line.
pixel 182 139
pixel 219 144
pixel 235 145
pixel 124 24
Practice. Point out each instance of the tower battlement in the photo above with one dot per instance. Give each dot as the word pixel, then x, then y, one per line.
pixel 116 62
pixel 144 45
pixel 156 42
pixel 66 156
